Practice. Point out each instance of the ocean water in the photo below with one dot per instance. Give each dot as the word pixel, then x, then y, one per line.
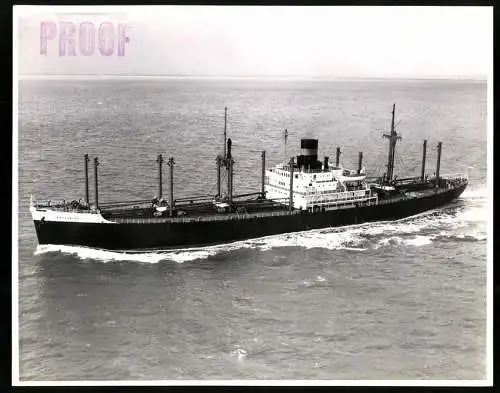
pixel 388 300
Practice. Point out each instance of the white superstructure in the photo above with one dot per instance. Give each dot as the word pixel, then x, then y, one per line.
pixel 318 189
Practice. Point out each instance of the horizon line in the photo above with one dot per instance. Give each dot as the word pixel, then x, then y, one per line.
pixel 308 77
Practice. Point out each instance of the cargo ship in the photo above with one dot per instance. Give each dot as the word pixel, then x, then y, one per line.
pixel 301 193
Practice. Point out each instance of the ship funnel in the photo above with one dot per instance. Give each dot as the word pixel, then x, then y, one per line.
pixel 308 154
pixel 325 164
pixel 309 147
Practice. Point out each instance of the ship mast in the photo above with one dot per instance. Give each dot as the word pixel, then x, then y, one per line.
pixel 290 201
pixel 393 138
pixel 218 160
pixel 438 164
pixel 225 130
pixel 87 199
pixel 159 160
pixel 284 146
pixel 171 164
pixel 96 184
pixel 424 152
pixel 222 160
pixel 229 163
pixel 263 175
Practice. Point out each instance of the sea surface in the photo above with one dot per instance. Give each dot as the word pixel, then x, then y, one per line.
pixel 388 300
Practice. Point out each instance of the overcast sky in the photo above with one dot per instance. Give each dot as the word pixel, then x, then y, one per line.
pixel 264 41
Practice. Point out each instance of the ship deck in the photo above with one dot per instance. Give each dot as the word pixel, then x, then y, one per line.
pixel 187 210
pixel 199 211
pixel 263 209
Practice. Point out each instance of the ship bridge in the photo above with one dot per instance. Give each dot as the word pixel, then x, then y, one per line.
pixel 309 184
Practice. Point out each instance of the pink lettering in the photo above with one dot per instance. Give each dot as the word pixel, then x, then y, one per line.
pixel 87 38
pixel 122 39
pixel 67 36
pixel 48 31
pixel 106 39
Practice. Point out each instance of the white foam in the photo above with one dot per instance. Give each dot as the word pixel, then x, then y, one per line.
pixel 240 353
pixel 310 283
pixel 476 193
pixel 418 241
pixel 476 235
pixel 110 256
pixel 390 240
pixel 474 214
pixel 332 239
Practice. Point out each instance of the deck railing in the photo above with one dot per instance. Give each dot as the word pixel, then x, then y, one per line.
pixel 456 176
pixel 209 218
pixel 56 203
pixel 59 204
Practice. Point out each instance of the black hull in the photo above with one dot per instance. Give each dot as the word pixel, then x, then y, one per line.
pixel 133 236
